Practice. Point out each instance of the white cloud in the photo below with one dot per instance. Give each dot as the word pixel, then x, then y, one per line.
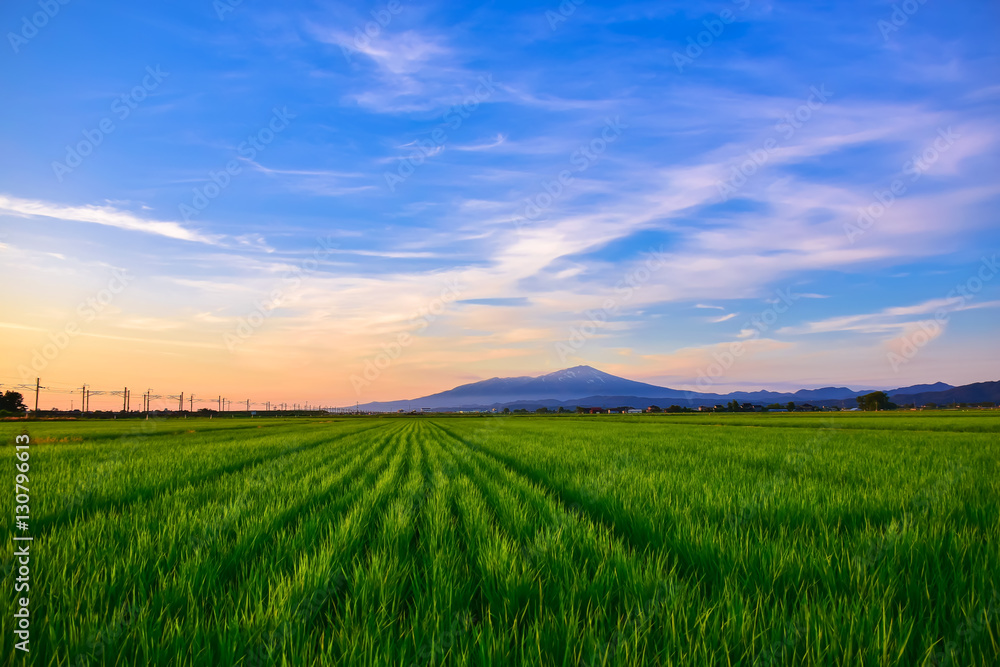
pixel 888 319
pixel 497 141
pixel 103 215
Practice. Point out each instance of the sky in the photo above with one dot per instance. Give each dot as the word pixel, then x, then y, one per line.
pixel 333 203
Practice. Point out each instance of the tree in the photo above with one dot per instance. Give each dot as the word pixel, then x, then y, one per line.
pixel 506 411
pixel 542 411
pixel 580 410
pixel 734 406
pixel 654 408
pixel 791 406
pixel 877 400
pixel 12 401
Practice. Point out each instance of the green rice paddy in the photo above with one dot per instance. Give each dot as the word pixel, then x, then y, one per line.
pixel 841 539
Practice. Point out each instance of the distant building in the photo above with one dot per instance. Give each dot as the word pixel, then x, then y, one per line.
pixel 635 411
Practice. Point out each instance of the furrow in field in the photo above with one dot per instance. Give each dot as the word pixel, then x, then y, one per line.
pixel 417 545
pixel 148 566
pixel 96 470
pixel 596 512
pixel 229 565
pixel 697 551
pixel 153 430
pixel 381 584
pixel 92 507
pixel 579 565
pixel 441 622
pixel 235 597
pixel 89 462
pixel 290 607
pixel 176 636
pixel 511 539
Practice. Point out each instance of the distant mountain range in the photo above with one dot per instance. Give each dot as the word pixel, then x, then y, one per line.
pixel 589 387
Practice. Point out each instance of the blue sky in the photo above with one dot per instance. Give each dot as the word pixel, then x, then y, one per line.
pixel 304 209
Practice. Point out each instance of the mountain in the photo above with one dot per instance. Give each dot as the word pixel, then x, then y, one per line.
pixel 922 388
pixel 587 386
pixel 561 385
pixel 979 392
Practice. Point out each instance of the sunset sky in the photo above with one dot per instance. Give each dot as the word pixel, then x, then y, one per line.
pixel 333 203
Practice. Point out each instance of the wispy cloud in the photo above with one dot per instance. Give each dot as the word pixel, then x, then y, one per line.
pixel 499 140
pixel 103 215
pixel 887 319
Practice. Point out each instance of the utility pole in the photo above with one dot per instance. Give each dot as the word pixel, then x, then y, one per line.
pixel 191 403
pixel 220 402
pixel 124 398
pixel 248 405
pixel 181 407
pixel 38 385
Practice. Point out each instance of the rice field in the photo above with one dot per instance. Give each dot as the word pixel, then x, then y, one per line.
pixel 838 539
